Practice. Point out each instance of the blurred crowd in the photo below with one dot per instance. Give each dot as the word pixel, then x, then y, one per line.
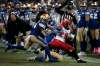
pixel 52 24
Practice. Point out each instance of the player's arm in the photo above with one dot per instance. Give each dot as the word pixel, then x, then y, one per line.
pixel 42 29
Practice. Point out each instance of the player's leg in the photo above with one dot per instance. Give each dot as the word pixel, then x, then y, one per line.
pixel 97 39
pixel 67 48
pixel 81 40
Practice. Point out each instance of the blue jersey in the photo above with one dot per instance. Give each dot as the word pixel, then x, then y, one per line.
pixel 98 20
pixel 98 15
pixel 93 24
pixel 4 15
pixel 37 29
pixel 26 14
pixel 94 16
pixel 16 11
pixel 52 24
pixel 82 22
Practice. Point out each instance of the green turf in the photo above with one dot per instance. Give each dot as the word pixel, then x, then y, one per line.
pixel 19 59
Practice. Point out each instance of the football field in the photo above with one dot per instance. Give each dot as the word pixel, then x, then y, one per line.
pixel 20 59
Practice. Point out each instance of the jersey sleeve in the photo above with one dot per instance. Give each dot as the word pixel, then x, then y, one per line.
pixel 42 26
